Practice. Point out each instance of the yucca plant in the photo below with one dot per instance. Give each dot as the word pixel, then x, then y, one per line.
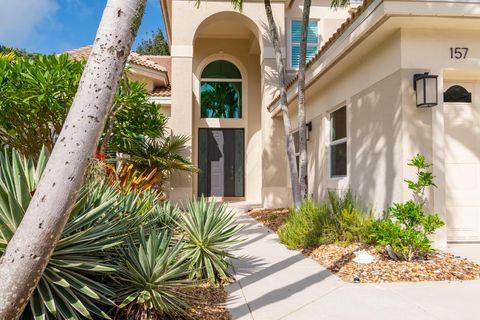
pixel 210 233
pixel 150 273
pixel 70 286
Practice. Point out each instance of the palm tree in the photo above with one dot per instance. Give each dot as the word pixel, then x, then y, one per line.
pixel 302 144
pixel 31 247
pixel 165 154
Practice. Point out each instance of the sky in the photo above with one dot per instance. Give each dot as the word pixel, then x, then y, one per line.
pixel 56 26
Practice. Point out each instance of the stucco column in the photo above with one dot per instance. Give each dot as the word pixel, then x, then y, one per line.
pixel 181 187
pixel 438 155
pixel 275 191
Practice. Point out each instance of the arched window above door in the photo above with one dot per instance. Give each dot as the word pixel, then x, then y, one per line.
pixel 221 91
pixel 457 93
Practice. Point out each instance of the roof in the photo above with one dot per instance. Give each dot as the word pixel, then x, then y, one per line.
pixel 133 58
pixel 156 63
pixel 161 91
pixel 164 61
pixel 353 17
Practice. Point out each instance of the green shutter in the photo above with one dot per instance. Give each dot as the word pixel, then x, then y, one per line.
pixel 312 41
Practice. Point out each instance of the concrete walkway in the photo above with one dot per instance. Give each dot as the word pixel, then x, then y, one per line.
pixel 276 283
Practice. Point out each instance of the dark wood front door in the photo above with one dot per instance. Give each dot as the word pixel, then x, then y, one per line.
pixel 221 162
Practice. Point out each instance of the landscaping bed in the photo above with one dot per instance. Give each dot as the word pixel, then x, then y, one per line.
pixel 438 266
pixel 208 302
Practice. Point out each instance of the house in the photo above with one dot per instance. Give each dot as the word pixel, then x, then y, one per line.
pixel 386 79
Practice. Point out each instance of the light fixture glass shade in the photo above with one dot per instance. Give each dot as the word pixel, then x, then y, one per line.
pixel 426 87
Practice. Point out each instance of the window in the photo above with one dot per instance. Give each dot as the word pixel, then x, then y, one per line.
pixel 296 142
pixel 312 41
pixel 221 91
pixel 457 94
pixel 338 143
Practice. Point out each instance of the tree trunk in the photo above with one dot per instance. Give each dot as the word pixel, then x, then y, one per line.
pixel 30 249
pixel 290 146
pixel 302 123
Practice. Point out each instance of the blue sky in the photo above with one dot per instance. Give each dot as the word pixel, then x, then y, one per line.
pixel 55 26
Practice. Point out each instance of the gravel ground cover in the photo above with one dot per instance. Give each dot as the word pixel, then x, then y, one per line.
pixel 438 266
pixel 208 302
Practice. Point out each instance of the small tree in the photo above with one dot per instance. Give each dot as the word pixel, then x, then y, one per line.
pixel 405 231
pixel 154 44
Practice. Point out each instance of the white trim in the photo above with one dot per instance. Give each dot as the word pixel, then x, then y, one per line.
pixel 160 100
pixel 290 43
pixel 336 142
pixel 220 80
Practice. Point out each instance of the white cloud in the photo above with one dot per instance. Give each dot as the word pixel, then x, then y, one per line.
pixel 20 18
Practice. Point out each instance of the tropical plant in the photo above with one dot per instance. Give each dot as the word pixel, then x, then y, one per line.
pixel 150 273
pixel 132 115
pixel 37 92
pixel 210 232
pixel 69 287
pixel 35 95
pixel 406 228
pixel 165 154
pixel 154 44
pixel 130 179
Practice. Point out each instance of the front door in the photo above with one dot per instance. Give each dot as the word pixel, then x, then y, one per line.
pixel 221 162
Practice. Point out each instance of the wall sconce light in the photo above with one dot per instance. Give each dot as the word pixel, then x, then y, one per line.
pixel 426 88
pixel 309 129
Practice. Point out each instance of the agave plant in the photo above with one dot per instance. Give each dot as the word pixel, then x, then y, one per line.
pixel 149 277
pixel 70 286
pixel 210 231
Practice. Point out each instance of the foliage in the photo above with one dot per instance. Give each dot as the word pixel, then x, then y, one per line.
pixel 149 275
pixel 135 115
pixel 37 92
pixel 132 180
pixel 16 52
pixel 164 154
pixel 339 219
pixel 69 287
pixel 35 95
pixel 155 44
pixel 303 226
pixel 407 226
pixel 210 231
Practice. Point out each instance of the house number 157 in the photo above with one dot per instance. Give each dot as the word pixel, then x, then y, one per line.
pixel 458 53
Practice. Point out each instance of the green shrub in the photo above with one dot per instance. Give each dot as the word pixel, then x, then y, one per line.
pixel 303 226
pixel 210 233
pixel 407 226
pixel 71 285
pixel 339 219
pixel 149 273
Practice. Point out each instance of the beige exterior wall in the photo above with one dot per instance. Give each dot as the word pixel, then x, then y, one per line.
pixel 385 128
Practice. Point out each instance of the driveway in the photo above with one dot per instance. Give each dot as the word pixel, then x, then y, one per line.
pixel 276 283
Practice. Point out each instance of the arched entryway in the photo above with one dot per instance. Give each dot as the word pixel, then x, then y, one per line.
pixel 227 108
pixel 221 154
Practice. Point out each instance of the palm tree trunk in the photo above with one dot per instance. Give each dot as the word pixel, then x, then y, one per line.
pixel 31 247
pixel 302 123
pixel 290 146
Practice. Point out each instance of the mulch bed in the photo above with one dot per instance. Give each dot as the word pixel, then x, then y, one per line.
pixel 208 302
pixel 271 218
pixel 438 266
